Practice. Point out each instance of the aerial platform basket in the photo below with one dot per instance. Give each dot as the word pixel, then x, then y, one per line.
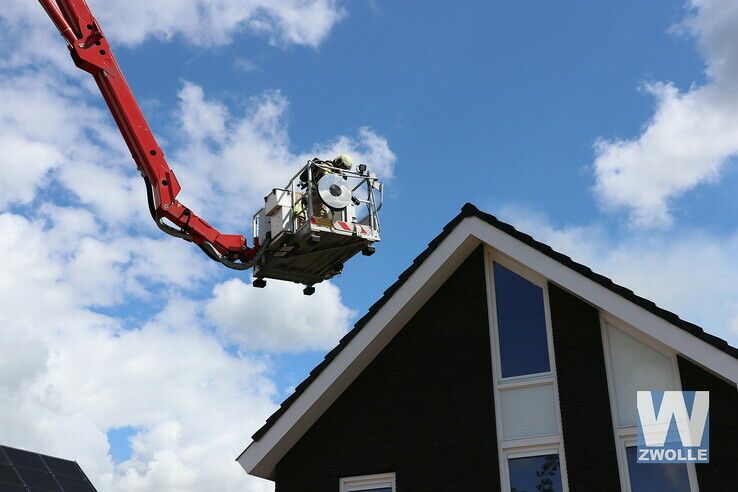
pixel 325 215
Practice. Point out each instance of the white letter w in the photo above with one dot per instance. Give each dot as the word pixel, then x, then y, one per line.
pixel 655 428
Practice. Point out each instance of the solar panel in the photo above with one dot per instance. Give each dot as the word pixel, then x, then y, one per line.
pixel 74 485
pixel 25 459
pixel 63 467
pixel 7 487
pixel 26 471
pixel 38 479
pixel 8 475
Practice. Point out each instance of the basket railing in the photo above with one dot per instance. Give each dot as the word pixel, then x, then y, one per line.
pixel 303 195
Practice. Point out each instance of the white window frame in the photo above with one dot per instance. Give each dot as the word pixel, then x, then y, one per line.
pixel 626 436
pixel 364 482
pixel 530 446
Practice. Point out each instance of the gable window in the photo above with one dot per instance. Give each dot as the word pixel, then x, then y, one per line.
pixel 527 416
pixel 535 473
pixel 521 323
pixel 384 482
pixel 636 366
pixel 635 362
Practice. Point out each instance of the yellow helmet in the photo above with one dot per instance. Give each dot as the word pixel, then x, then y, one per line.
pixel 343 161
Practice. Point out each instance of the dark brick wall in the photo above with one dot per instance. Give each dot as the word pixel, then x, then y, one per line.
pixel 423 408
pixel 591 459
pixel 719 474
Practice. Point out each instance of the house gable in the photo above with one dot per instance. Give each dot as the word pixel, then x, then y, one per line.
pixel 416 285
pixel 376 424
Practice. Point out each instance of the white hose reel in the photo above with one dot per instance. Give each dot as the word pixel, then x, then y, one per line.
pixel 334 191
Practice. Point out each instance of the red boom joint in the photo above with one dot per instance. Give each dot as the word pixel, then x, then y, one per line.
pixel 91 52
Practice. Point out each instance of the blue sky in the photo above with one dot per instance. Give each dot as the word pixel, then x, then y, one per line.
pixel 504 99
pixel 494 103
pixel 608 130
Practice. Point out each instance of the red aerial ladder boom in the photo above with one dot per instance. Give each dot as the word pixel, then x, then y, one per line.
pixel 91 52
pixel 306 229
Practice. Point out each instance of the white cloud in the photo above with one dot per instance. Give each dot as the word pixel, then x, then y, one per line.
pixel 43 126
pixel 68 374
pixel 63 247
pixel 245 65
pixel 25 164
pixel 205 23
pixel 194 402
pixel 27 35
pixel 86 246
pixel 279 318
pixel 229 158
pixel 691 273
pixel 690 138
pixel 117 195
pixel 201 120
pixel 215 22
pixel 52 135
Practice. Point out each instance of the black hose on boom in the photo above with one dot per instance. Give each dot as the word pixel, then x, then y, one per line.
pixel 206 247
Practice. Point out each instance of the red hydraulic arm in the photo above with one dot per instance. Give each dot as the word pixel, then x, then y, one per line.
pixel 91 52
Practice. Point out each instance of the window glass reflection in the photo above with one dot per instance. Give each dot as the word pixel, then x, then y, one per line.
pixel 535 474
pixel 521 324
pixel 656 477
